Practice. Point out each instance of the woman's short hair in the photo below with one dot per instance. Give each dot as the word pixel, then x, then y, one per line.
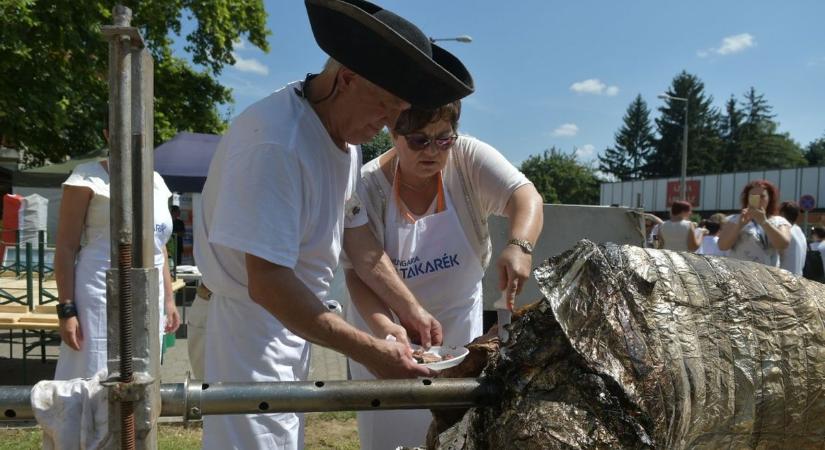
pixel 415 119
pixel 819 232
pixel 679 207
pixel 773 195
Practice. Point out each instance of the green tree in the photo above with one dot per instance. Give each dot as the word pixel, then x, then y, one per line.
pixel 634 141
pixel 561 178
pixel 815 152
pixel 704 137
pixel 760 145
pixel 375 147
pixel 53 90
pixel 731 128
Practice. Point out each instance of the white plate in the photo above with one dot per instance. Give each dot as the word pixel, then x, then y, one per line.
pixel 458 353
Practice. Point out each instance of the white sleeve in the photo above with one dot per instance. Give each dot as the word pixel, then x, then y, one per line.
pixel 355 212
pixel 491 176
pixel 258 209
pixel 779 221
pixel 80 177
pixel 160 186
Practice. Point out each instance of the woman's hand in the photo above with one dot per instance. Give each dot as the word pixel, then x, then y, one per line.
pixel 71 333
pixel 383 327
pixel 758 214
pixel 421 326
pixel 513 269
pixel 172 317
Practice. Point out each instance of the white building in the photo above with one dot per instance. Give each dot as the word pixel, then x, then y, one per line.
pixel 718 192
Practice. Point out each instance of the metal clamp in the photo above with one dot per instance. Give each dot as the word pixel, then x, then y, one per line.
pixel 192 409
pixel 128 392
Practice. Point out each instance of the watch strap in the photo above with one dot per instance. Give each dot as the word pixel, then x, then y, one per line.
pixel 525 245
pixel 66 310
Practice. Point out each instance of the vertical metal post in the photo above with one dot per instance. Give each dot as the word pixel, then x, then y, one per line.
pixel 17 252
pixel 132 282
pixel 683 180
pixel 41 254
pixel 805 224
pixel 119 289
pixel 29 281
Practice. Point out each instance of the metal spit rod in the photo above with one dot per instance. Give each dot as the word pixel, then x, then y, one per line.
pixel 191 401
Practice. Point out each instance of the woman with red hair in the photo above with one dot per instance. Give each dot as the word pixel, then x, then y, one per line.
pixel 758 233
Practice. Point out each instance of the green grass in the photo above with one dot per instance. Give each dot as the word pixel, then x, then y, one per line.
pixel 324 431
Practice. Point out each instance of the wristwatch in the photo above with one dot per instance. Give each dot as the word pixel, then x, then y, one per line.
pixel 525 245
pixel 66 310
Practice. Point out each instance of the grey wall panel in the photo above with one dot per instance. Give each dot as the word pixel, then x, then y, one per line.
pixel 789 183
pixel 820 197
pixel 710 189
pixel 649 194
pixel 616 198
pixel 564 225
pixel 638 194
pixel 661 195
pixel 773 177
pixel 727 195
pixel 720 192
pixel 809 184
pixel 756 175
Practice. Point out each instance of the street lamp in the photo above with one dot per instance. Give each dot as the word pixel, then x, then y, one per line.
pixel 683 182
pixel 463 38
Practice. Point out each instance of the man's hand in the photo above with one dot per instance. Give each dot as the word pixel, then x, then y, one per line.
pixel 172 318
pixel 421 326
pixel 71 333
pixel 394 360
pixel 513 270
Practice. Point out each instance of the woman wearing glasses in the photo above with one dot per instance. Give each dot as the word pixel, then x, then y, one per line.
pixel 428 199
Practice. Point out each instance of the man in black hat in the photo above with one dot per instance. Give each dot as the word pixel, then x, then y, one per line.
pixel 280 202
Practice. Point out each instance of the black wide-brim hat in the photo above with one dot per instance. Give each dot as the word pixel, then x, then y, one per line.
pixel 389 51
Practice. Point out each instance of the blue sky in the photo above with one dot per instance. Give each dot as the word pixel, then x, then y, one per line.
pixel 563 73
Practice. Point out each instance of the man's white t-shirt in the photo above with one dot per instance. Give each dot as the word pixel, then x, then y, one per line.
pixel 792 258
pixel 280 189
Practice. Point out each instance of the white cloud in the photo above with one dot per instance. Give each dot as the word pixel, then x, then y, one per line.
pixel 730 45
pixel 607 177
pixel 239 44
pixel 594 86
pixel 250 65
pixel 566 130
pixel 586 152
pixel 816 62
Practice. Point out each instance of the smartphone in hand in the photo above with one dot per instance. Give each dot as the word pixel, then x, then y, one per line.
pixel 754 200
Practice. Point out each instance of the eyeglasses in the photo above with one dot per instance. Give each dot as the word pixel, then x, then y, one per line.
pixel 418 142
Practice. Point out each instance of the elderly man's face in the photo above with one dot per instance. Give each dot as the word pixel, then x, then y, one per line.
pixel 369 109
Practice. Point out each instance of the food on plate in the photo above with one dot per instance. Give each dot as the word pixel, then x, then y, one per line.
pixel 422 356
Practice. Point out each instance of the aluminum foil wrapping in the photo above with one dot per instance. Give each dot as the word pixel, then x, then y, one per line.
pixel 642 348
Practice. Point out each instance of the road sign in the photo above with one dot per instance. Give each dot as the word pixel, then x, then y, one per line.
pixel 807 202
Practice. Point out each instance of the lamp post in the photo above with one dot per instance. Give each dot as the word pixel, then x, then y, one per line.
pixel 463 38
pixel 683 178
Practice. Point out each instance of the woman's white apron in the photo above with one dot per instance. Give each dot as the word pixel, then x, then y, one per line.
pixel 437 263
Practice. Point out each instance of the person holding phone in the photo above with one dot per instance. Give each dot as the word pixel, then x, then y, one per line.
pixel 758 233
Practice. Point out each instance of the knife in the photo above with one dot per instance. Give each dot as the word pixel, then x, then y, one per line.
pixel 505 315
